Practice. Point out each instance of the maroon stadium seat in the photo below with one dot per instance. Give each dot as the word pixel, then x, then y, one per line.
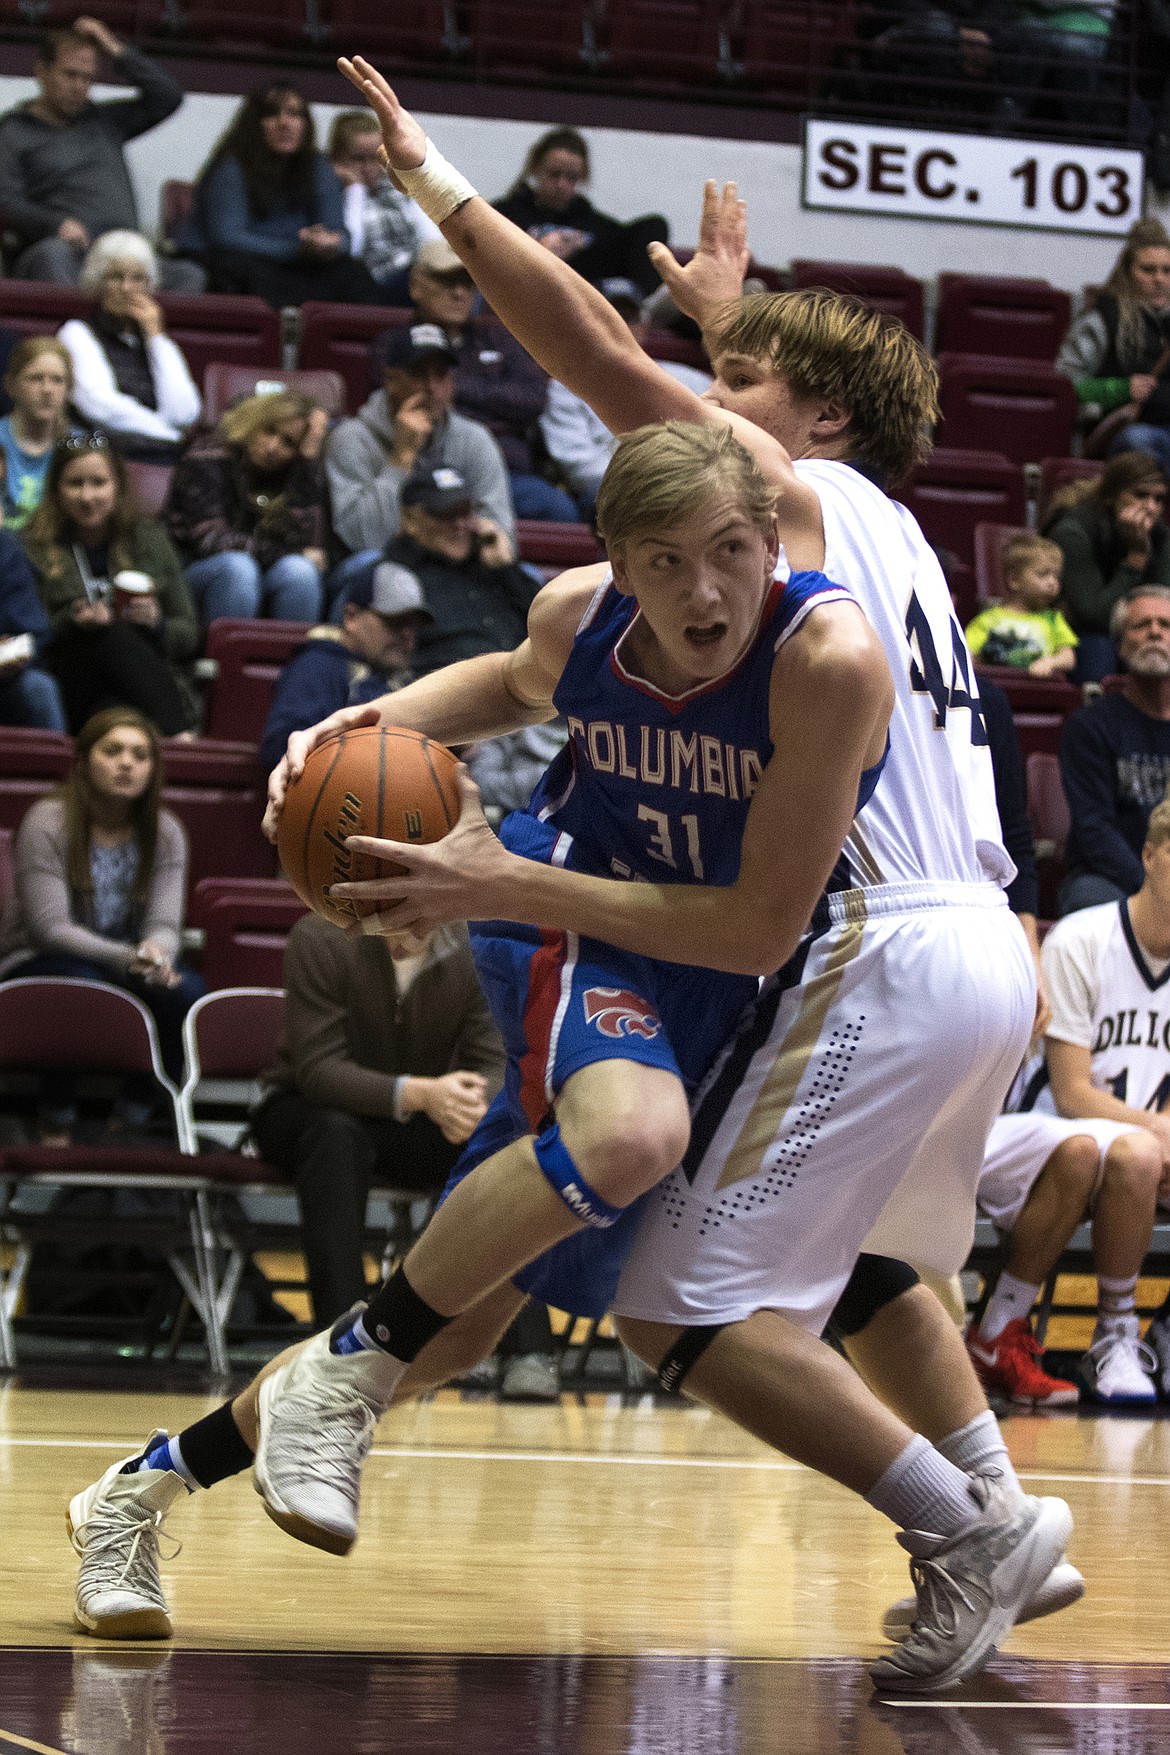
pixel 1058 472
pixel 676 39
pixel 222 326
pixel 556 546
pixel 1048 814
pixel 262 23
pixel 786 45
pixel 1039 731
pixel 412 30
pixel 1033 694
pixel 176 203
pixel 245 922
pixel 955 490
pixel 31 763
pixel 224 384
pixel 149 483
pixel 1023 408
pixel 336 338
pixel 989 541
pixel 664 344
pixel 992 314
pixel 6 878
pixel 250 655
pixel 37 307
pixel 886 289
pixel 217 790
pixel 531 33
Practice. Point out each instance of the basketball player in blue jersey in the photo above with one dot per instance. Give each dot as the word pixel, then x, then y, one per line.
pixel 983 1553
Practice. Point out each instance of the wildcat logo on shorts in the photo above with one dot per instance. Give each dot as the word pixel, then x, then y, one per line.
pixel 618 1013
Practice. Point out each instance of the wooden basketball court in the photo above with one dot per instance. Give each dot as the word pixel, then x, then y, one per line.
pixel 582 1580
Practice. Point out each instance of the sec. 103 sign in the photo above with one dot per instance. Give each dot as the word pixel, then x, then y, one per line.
pixel 856 168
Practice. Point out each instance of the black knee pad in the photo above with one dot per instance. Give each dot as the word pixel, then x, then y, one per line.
pixel 876 1281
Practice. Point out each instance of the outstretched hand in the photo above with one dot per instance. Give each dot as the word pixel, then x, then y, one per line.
pixel 404 141
pixel 300 745
pixel 462 877
pixel 714 274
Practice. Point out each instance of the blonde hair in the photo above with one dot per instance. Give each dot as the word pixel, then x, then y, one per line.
pixel 1143 234
pixel 660 473
pixel 264 414
pixel 1158 827
pixel 826 344
pixel 1028 550
pixel 30 349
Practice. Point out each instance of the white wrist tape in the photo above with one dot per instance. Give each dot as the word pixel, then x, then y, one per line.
pixel 436 185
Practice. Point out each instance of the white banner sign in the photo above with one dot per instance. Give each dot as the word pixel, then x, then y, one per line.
pixel 916 174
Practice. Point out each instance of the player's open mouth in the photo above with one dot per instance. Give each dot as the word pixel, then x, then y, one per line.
pixel 706 636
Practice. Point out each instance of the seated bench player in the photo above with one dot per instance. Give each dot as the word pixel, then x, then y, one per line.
pixel 705 598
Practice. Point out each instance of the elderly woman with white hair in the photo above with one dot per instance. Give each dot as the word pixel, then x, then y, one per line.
pixel 129 378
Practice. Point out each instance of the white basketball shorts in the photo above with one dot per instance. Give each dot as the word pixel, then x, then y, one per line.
pixel 850 1112
pixel 1019 1146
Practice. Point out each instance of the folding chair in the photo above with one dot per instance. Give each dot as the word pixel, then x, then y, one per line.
pixel 55 1022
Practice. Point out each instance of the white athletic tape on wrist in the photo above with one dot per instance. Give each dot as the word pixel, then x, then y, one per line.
pixel 436 185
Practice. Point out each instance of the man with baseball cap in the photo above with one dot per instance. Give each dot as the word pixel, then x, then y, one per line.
pixel 496 381
pixel 371 652
pixel 409 423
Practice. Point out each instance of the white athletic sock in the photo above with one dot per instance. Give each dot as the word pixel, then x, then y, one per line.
pixel 1116 1304
pixel 978 1449
pixel 1011 1298
pixel 921 1490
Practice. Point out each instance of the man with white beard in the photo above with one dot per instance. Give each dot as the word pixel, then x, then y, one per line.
pixel 1115 758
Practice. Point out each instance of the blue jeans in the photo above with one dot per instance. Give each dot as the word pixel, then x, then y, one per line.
pixel 1141 436
pixel 232 584
pixel 32 698
pixel 533 497
pixel 345 575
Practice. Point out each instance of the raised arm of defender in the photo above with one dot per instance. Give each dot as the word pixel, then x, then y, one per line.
pixel 568 326
pixel 831 700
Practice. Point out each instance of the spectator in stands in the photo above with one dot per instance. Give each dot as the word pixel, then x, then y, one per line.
pixel 269 213
pixel 129 378
pixel 368 655
pixel 946 48
pixel 1112 537
pixel 1115 759
pixel 1055 47
pixel 386 228
pixel 409 424
pixel 1027 631
pixel 110 647
pixel 477 595
pixel 496 382
pixel 100 879
pixel 1117 352
pixel 386 1065
pixel 1042 1177
pixel 576 439
pixel 28 694
pixel 39 380
pixel 64 180
pixel 246 510
pixel 546 201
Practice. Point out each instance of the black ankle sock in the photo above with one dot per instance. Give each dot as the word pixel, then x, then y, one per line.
pixel 215 1448
pixel 399 1320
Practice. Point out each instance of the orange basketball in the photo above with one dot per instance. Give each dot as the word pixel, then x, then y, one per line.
pixel 380 781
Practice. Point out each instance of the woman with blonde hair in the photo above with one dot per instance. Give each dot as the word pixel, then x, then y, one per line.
pixel 39 379
pixel 246 510
pixel 130 379
pixel 113 643
pixel 100 870
pixel 1117 352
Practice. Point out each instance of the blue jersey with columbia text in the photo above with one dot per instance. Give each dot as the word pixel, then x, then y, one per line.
pixel 658 786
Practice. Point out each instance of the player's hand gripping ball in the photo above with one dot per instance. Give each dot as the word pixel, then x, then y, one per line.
pixel 383 781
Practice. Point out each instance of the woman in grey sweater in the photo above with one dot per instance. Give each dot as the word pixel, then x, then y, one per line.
pixel 100 877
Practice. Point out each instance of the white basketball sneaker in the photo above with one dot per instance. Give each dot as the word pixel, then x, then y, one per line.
pixel 1063 1587
pixel 317 1416
pixel 1119 1367
pixel 115 1526
pixel 971 1588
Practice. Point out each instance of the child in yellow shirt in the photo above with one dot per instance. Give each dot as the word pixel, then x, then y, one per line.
pixel 1027 630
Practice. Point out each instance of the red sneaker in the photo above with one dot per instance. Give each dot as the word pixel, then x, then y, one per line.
pixel 1010 1366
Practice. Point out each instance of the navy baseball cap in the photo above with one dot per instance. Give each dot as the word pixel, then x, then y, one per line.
pixel 414 343
pixel 441 491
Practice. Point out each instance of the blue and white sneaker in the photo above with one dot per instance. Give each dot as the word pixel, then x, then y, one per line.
pixel 1119 1368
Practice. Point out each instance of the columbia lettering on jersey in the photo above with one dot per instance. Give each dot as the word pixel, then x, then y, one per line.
pixel 654 786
